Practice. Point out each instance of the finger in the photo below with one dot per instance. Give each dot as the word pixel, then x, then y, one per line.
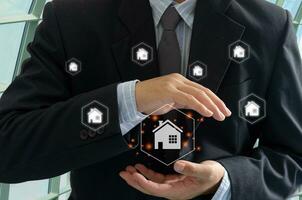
pixel 131 169
pixel 150 174
pixel 155 189
pixel 207 101
pixel 191 102
pixel 197 170
pixel 201 96
pixel 221 105
pixel 130 180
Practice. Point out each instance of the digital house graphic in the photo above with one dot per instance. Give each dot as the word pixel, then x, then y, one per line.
pixel 252 109
pixel 95 116
pixel 167 136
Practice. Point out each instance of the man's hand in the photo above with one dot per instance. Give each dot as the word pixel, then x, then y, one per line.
pixel 194 180
pixel 176 90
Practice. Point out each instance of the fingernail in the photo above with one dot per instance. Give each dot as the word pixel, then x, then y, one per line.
pixel 121 175
pixel 210 113
pixel 229 113
pixel 221 116
pixel 179 167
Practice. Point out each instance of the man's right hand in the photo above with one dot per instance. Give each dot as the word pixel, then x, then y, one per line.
pixel 179 92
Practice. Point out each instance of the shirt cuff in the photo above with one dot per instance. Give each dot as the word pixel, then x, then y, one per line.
pixel 129 116
pixel 224 190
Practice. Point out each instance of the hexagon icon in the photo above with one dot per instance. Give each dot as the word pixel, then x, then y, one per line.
pixel 198 70
pixel 142 54
pixel 239 51
pixel 252 108
pixel 73 66
pixel 169 137
pixel 95 115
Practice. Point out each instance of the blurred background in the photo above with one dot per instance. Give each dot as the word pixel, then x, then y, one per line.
pixel 18 21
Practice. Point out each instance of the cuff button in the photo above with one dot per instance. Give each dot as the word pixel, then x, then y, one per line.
pixel 83 135
pixel 91 134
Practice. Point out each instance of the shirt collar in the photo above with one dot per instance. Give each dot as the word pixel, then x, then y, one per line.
pixel 158 8
pixel 185 10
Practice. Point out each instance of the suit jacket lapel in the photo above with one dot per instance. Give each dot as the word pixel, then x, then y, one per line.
pixel 212 34
pixel 135 26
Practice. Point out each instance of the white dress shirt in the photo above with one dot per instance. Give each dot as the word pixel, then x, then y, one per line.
pixel 128 115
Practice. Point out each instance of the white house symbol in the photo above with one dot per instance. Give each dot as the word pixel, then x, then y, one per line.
pixel 142 54
pixel 239 52
pixel 73 67
pixel 168 135
pixel 95 116
pixel 197 71
pixel 252 109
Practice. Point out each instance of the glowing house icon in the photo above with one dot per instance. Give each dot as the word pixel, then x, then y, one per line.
pixel 73 67
pixel 197 71
pixel 167 136
pixel 95 116
pixel 252 109
pixel 142 54
pixel 239 52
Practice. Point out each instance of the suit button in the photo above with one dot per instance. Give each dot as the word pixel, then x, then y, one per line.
pixel 92 134
pixel 83 135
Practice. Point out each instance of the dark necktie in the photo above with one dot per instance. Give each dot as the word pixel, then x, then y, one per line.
pixel 168 49
pixel 169 62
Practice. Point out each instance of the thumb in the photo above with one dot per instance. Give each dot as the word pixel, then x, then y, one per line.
pixel 193 169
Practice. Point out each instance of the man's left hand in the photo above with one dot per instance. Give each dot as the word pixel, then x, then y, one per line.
pixel 193 180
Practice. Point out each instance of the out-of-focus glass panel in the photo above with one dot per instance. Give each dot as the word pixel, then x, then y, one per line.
pixel 292 6
pixel 28 190
pixel 14 7
pixel 299 36
pixel 272 1
pixel 64 182
pixel 64 196
pixel 10 40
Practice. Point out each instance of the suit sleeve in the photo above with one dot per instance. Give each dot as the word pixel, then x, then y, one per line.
pixel 274 169
pixel 40 120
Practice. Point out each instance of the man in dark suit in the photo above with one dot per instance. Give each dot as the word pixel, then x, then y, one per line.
pixel 41 134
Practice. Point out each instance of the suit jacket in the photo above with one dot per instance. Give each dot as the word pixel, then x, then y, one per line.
pixel 41 134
